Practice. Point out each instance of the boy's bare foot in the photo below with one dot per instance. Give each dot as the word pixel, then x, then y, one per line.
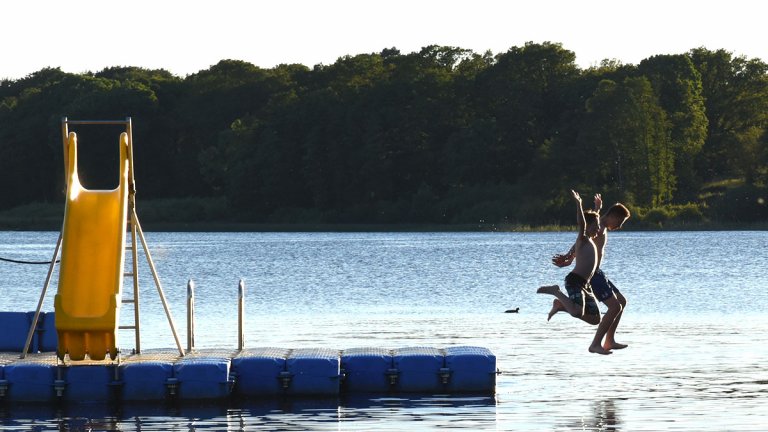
pixel 599 350
pixel 556 307
pixel 614 345
pixel 548 289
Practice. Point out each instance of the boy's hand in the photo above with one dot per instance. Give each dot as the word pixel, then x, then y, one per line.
pixel 575 195
pixel 598 202
pixel 562 260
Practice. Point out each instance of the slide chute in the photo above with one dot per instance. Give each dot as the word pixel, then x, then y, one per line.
pixel 88 299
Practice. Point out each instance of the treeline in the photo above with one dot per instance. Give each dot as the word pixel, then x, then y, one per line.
pixel 443 135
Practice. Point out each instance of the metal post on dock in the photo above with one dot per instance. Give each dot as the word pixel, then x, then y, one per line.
pixel 190 316
pixel 240 315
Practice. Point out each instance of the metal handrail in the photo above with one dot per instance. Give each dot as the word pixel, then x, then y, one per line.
pixel 97 122
pixel 190 315
pixel 158 285
pixel 33 325
pixel 240 315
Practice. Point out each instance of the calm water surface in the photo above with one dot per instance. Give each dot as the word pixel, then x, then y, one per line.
pixel 696 323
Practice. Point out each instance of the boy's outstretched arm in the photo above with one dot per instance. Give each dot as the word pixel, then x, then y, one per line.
pixel 579 214
pixel 598 203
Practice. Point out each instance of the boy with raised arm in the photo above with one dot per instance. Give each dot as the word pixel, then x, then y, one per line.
pixel 604 290
pixel 580 302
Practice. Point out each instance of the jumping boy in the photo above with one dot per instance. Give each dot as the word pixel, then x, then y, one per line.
pixel 580 302
pixel 604 290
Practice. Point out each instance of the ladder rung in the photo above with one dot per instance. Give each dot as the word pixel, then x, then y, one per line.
pixel 128 274
pixel 127 328
pixel 129 301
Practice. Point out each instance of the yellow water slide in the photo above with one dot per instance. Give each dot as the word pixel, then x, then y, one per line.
pixel 88 299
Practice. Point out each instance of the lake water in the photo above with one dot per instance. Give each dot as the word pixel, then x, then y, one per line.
pixel 696 322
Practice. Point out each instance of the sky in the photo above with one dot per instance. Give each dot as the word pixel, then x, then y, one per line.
pixel 185 37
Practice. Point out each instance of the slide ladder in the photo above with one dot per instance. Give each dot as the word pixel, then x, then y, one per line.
pixel 93 244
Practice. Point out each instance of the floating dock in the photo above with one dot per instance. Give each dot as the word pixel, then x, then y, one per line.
pixel 219 374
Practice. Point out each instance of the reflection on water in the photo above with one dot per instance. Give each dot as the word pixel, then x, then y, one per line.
pixel 604 417
pixel 295 414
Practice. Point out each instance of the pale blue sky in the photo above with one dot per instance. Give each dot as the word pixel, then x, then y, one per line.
pixel 187 36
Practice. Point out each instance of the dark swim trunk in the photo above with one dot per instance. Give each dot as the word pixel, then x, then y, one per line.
pixel 578 289
pixel 602 287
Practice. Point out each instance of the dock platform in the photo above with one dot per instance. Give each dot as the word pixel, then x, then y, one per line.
pixel 254 372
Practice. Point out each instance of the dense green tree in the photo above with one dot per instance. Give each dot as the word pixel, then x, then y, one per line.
pixel 28 157
pixel 627 141
pixel 736 100
pixel 522 97
pixel 677 84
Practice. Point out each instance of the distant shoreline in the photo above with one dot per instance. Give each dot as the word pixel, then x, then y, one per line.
pixel 223 226
pixel 161 216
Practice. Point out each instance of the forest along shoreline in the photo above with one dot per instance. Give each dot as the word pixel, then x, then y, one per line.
pixel 438 137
